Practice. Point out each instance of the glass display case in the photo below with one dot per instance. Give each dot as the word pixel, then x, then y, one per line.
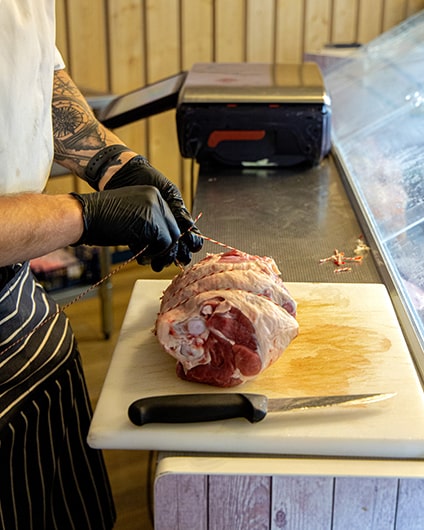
pixel 378 137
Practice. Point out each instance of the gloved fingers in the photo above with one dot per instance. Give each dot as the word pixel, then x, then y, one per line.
pixel 163 236
pixel 160 262
pixel 192 240
pixel 157 262
pixel 139 171
pixel 179 253
pixel 138 217
pixel 141 259
pixel 188 229
pixel 184 255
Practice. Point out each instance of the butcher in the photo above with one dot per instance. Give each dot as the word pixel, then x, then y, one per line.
pixel 50 478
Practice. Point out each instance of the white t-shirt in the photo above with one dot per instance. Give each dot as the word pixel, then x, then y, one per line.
pixel 28 58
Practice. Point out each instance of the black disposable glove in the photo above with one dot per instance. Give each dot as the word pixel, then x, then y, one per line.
pixel 138 171
pixel 135 216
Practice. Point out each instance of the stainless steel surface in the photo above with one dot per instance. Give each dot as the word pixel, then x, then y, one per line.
pixel 286 404
pixel 298 216
pixel 254 83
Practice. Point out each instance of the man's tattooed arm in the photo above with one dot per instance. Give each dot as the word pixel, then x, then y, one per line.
pixel 78 135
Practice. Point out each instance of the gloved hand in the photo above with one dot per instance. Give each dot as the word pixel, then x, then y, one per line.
pixel 136 216
pixel 138 171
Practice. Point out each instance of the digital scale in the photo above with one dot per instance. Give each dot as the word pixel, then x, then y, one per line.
pixel 238 114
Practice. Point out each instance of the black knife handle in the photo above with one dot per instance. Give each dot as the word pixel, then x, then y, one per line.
pixel 188 408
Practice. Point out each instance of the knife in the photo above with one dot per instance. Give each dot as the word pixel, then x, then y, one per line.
pixel 188 408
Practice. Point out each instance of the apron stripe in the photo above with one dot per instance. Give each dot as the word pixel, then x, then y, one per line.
pixel 50 478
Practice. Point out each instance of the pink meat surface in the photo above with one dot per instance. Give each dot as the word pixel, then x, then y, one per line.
pixel 226 319
pixel 230 270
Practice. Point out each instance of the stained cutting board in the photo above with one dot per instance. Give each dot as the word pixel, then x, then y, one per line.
pixel 349 342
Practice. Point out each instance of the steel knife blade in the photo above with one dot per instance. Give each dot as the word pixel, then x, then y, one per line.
pixel 188 408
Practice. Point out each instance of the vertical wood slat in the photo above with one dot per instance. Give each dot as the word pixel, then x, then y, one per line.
pixel 369 20
pixel 230 31
pixel 344 21
pixel 289 45
pixel 163 59
pixel 301 502
pixel 87 51
pixel 260 31
pixel 239 502
pixel 394 12
pixel 413 6
pixel 410 512
pixel 61 29
pixel 197 26
pixel 317 24
pixel 126 66
pixel 162 38
pixel 365 503
pixel 126 44
pixel 181 502
pixel 196 32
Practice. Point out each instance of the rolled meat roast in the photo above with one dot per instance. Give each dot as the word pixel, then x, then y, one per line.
pixel 226 318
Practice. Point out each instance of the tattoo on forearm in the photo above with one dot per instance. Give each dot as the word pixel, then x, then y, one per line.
pixel 77 133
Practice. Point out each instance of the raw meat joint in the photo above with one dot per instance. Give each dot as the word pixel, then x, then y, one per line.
pixel 226 318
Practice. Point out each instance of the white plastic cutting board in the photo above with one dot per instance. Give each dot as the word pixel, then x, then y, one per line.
pixel 349 342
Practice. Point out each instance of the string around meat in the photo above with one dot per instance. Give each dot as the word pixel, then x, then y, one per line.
pixel 205 238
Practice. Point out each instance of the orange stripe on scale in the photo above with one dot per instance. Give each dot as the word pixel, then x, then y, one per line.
pixel 216 137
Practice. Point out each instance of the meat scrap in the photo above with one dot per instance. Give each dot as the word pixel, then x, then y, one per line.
pixel 339 258
pixel 226 318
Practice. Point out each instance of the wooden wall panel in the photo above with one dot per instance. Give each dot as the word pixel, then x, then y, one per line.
pixel 370 20
pixel 289 45
pixel 413 6
pixel 181 503
pixel 239 502
pixel 344 21
pixel 317 24
pixel 87 45
pixel 119 45
pixel 230 31
pixel 260 31
pixel 410 512
pixel 61 28
pixel 394 12
pixel 162 29
pixel 127 60
pixel 197 32
pixel 126 44
pixel 301 502
pixel 163 59
pixel 365 503
pixel 296 502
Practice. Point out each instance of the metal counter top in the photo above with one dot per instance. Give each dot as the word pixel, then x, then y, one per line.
pixel 295 215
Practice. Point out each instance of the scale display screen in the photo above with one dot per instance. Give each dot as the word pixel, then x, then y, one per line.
pixel 143 102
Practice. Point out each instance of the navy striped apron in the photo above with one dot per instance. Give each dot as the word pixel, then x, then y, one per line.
pixel 49 478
